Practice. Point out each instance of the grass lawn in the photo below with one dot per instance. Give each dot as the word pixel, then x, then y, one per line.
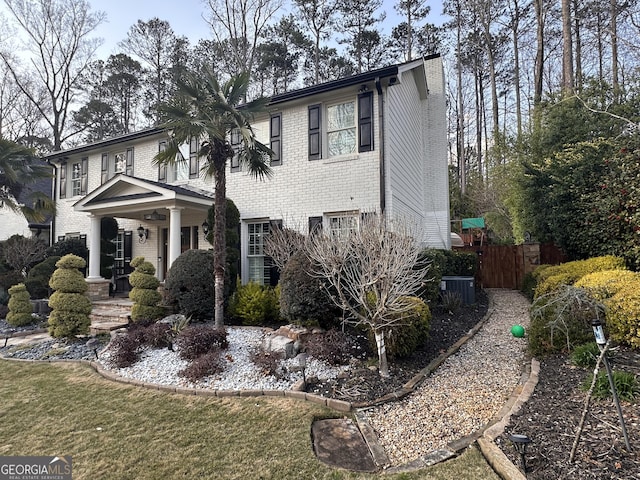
pixel 116 431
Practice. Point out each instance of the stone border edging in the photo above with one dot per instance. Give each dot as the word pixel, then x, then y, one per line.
pixel 24 333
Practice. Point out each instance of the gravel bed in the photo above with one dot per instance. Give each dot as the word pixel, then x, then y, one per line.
pixel 162 366
pixel 464 393
pixel 60 349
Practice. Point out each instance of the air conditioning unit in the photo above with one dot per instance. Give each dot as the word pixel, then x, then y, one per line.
pixel 464 286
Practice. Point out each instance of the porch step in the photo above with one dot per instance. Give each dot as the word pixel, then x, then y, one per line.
pixel 107 315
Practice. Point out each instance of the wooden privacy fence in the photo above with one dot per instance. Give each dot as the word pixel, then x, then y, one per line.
pixel 505 266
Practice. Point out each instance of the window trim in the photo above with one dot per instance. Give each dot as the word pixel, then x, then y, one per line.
pixel 275 138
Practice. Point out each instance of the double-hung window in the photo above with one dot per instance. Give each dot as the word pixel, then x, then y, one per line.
pixel 342 128
pixel 115 163
pixel 73 178
pixel 76 179
pixel 343 224
pixel 259 264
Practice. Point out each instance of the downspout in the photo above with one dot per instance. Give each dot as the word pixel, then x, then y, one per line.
pixel 383 182
pixel 54 178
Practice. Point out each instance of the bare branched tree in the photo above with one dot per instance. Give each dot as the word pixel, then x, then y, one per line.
pixel 21 252
pixel 371 271
pixel 281 244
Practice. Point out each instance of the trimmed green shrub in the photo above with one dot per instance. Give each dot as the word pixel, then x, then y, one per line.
pixel 605 284
pixel 189 284
pixel 70 307
pixel 623 312
pixel 38 278
pixel 255 304
pixel 303 297
pixel 232 238
pixel 553 277
pixel 403 339
pixel 627 386
pixel 561 320
pixel 20 308
pixel 144 294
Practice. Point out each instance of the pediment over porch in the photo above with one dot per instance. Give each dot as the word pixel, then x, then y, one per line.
pixel 131 197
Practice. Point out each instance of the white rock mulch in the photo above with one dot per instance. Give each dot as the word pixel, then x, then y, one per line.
pixel 162 367
pixel 464 394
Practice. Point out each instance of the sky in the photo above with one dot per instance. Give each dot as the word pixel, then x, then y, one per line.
pixel 185 17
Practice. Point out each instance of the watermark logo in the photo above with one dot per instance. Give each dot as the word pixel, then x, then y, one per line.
pixel 35 468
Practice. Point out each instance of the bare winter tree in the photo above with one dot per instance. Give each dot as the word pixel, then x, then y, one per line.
pixel 372 272
pixel 57 36
pixel 22 252
pixel 281 244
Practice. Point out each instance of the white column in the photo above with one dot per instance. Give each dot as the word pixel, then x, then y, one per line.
pixel 94 248
pixel 174 234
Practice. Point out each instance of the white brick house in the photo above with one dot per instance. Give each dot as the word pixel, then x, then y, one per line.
pixel 376 141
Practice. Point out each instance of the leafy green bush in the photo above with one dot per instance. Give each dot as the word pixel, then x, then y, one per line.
pixel 553 277
pixel 437 261
pixel 303 298
pixel 627 386
pixel 144 294
pixel 623 312
pixel 196 340
pixel 255 304
pixel 74 246
pixel 463 264
pixel 605 284
pixel 561 320
pixel 189 284
pixel 38 278
pixel 71 307
pixel 585 355
pixel 403 339
pixel 20 308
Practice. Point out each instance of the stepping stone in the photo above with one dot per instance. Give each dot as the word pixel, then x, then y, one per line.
pixel 339 443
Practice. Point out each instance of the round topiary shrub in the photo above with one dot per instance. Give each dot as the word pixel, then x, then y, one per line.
pixel 69 303
pixel 403 339
pixel 623 311
pixel 303 297
pixel 20 308
pixel 144 294
pixel 189 284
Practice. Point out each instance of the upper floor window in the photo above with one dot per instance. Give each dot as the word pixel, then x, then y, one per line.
pixel 180 170
pixel 341 128
pixel 115 163
pixel 275 138
pixel 73 178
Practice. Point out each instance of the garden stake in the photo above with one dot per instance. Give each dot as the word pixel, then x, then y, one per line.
pixel 601 341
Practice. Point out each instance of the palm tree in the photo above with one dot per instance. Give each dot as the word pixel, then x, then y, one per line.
pixel 211 112
pixel 21 169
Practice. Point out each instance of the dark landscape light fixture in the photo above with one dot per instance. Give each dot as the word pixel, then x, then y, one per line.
pixel 205 227
pixel 154 216
pixel 143 234
pixel 520 443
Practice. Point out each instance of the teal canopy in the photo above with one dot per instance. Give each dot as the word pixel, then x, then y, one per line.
pixel 472 223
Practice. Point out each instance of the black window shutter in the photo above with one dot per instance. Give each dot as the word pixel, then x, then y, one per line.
pixel 194 167
pixel 235 145
pixel 104 168
pixel 365 122
pixel 315 132
pixel 84 175
pixel 162 167
pixel 276 139
pixel 129 168
pixel 315 225
pixel 128 250
pixel 63 180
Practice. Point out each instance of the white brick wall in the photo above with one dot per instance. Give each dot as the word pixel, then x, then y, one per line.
pixel 416 170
